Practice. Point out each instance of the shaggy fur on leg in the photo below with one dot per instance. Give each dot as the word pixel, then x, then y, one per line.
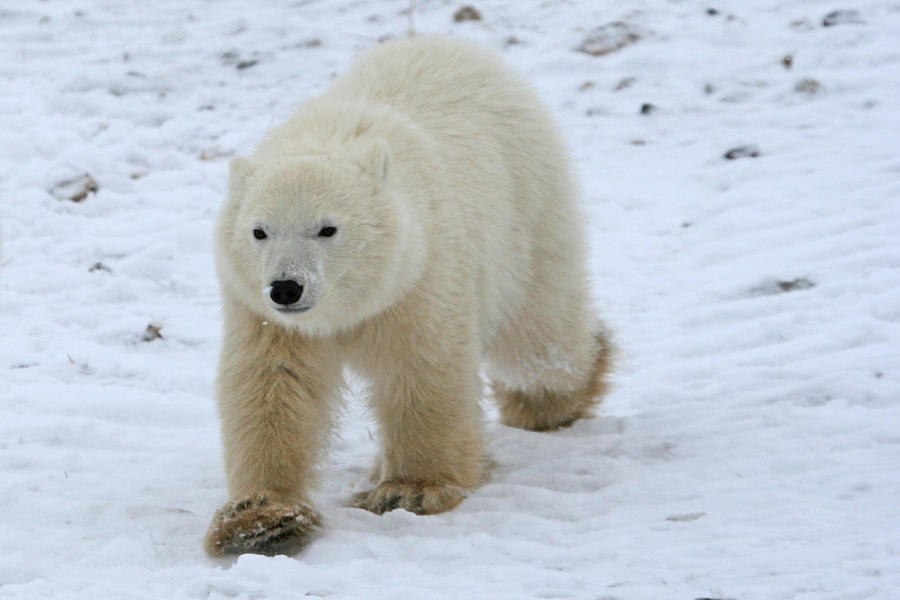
pixel 545 410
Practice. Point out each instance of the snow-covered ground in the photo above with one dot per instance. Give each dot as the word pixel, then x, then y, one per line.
pixel 751 446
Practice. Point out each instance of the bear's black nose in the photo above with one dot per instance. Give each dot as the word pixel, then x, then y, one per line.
pixel 286 292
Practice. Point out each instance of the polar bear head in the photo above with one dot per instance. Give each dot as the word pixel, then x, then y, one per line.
pixel 315 242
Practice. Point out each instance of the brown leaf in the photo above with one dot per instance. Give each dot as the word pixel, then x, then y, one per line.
pixel 153 332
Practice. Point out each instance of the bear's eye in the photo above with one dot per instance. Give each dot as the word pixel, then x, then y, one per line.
pixel 327 231
pixel 259 234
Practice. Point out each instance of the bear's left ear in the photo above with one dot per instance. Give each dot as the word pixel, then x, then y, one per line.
pixel 239 170
pixel 376 159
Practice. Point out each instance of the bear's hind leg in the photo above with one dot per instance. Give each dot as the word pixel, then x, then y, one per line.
pixel 536 406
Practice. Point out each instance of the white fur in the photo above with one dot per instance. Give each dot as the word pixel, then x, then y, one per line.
pixel 458 240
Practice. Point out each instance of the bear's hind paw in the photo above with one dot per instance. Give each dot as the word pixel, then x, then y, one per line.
pixel 418 498
pixel 259 525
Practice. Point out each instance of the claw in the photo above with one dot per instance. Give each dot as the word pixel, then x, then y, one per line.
pixel 416 498
pixel 256 525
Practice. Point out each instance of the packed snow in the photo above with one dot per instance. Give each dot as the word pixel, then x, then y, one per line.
pixel 751 445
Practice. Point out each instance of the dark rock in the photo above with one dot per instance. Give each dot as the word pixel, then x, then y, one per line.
pixel 801 283
pixel 749 151
pixel 648 108
pixel 233 58
pixel 771 288
pixel 467 13
pixel 842 17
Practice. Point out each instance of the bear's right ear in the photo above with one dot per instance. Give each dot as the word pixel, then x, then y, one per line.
pixel 239 170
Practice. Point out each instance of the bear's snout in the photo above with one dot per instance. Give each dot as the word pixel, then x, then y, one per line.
pixel 285 292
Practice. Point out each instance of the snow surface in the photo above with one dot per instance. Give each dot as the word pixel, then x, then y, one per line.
pixel 751 446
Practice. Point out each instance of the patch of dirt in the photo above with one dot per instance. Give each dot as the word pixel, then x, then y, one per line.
pixel 807 85
pixel 609 38
pixel 842 17
pixel 75 189
pixel 624 83
pixel 685 517
pixel 770 288
pixel 153 332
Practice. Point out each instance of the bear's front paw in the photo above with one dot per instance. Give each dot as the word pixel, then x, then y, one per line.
pixel 260 525
pixel 419 498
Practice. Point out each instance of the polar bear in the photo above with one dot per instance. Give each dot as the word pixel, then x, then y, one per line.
pixel 414 222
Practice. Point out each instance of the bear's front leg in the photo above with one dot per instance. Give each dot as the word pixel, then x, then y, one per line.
pixel 275 394
pixel 426 391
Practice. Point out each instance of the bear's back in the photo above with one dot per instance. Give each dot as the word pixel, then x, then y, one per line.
pixel 452 88
pixel 426 76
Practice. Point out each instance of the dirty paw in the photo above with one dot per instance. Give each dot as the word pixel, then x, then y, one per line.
pixel 417 498
pixel 261 525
